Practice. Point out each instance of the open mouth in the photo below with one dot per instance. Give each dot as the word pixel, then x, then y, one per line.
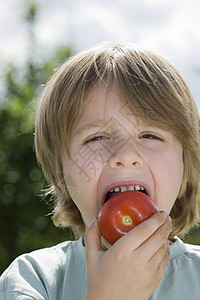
pixel 121 189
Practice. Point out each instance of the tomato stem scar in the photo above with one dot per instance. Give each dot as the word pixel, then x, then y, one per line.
pixel 127 220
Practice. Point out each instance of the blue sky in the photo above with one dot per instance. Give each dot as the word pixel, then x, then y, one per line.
pixel 169 27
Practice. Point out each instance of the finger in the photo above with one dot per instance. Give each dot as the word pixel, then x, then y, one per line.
pixel 105 244
pixel 156 240
pixel 163 264
pixel 92 240
pixel 138 235
pixel 158 257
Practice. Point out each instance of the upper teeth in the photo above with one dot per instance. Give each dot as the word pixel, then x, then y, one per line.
pixel 127 188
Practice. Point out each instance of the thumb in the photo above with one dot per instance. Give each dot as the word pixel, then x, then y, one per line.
pixel 92 240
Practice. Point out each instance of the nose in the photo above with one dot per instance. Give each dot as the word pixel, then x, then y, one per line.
pixel 126 157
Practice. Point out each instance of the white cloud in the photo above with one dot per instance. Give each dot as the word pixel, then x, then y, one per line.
pixel 170 27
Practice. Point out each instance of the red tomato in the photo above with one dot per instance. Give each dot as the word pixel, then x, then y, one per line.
pixel 123 212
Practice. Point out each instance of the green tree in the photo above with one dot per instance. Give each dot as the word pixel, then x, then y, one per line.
pixel 24 224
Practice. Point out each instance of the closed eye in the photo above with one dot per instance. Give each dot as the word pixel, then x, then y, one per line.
pixel 151 136
pixel 96 138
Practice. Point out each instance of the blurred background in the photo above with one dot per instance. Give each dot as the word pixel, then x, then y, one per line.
pixel 35 38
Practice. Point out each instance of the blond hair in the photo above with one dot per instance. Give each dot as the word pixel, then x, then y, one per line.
pixel 152 89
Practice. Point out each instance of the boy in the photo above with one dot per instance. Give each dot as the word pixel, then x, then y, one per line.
pixel 115 118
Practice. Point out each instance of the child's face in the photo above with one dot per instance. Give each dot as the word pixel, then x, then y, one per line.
pixel 111 148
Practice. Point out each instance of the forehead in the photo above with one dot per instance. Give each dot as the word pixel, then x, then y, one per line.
pixel 106 108
pixel 104 103
pixel 104 99
pixel 116 99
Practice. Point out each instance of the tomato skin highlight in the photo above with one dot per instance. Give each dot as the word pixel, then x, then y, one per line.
pixel 123 212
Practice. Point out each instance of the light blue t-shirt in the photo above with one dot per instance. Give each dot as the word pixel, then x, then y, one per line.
pixel 59 273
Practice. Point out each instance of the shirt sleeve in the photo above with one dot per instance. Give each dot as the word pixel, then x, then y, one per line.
pixel 14 296
pixel 43 274
pixel 22 281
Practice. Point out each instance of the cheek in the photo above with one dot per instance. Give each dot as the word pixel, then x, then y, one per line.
pixel 169 164
pixel 81 181
pixel 88 162
pixel 176 167
pixel 168 175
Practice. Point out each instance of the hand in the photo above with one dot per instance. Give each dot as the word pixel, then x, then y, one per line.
pixel 133 267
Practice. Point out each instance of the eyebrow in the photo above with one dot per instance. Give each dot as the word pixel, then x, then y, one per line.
pixel 92 125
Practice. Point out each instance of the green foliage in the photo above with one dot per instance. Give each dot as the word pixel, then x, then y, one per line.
pixel 24 224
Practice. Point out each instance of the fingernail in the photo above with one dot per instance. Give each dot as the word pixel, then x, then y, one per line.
pixel 94 220
pixel 165 215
